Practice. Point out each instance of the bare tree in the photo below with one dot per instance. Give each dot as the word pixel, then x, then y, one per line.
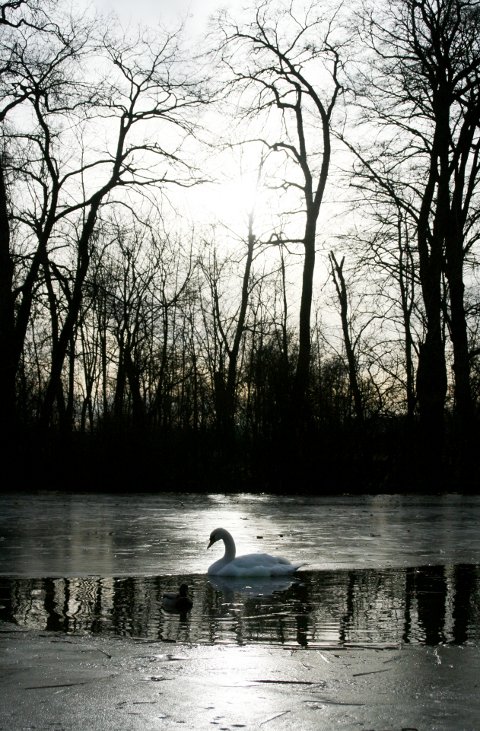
pixel 16 17
pixel 79 141
pixel 382 251
pixel 419 91
pixel 287 63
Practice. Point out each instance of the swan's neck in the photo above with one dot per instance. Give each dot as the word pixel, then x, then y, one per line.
pixel 230 549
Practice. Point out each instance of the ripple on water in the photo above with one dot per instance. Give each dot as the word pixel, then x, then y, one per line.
pixel 430 605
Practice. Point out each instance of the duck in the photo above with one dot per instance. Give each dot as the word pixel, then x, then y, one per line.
pixel 251 564
pixel 177 601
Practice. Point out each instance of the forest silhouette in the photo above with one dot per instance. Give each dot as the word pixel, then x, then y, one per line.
pixel 331 345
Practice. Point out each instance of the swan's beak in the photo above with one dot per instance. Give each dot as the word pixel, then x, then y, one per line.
pixel 210 543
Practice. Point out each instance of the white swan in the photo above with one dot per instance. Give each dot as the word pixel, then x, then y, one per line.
pixel 179 601
pixel 251 564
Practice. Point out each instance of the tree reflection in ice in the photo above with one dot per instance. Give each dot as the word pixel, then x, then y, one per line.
pixel 369 607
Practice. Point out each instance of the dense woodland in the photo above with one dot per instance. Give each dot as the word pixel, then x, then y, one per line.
pixel 329 342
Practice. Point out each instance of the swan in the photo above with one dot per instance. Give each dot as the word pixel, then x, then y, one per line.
pixel 251 564
pixel 179 601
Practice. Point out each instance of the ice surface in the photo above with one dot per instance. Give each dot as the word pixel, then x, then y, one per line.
pixel 50 534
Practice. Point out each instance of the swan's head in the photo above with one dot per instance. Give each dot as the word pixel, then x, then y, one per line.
pixel 215 536
pixel 219 534
pixel 183 590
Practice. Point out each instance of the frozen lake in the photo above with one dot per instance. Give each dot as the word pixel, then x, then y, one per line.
pixel 379 570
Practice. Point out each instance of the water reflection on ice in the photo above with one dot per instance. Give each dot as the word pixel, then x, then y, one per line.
pixel 381 570
pixel 429 605
pixel 254 586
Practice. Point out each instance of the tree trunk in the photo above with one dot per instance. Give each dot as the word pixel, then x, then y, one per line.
pixel 8 361
pixel 302 373
pixel 406 279
pixel 431 371
pixel 339 279
pixel 458 332
pixel 60 347
pixel 231 384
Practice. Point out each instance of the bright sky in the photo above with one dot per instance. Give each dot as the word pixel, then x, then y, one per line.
pixel 232 198
pixel 206 201
pixel 151 12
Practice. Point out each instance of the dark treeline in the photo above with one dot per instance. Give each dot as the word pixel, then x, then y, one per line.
pixel 142 352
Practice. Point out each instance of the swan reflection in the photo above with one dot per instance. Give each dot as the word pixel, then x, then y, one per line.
pixel 253 586
pixel 376 607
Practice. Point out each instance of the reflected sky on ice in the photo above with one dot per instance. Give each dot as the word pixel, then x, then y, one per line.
pixel 150 535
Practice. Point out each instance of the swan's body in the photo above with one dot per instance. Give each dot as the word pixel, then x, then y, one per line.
pixel 251 564
pixel 179 601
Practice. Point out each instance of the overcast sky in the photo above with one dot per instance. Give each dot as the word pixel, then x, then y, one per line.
pixel 151 12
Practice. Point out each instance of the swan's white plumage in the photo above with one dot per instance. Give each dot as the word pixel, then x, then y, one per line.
pixel 251 564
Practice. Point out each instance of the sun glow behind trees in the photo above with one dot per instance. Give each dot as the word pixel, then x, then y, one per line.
pixel 251 180
pixel 222 152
